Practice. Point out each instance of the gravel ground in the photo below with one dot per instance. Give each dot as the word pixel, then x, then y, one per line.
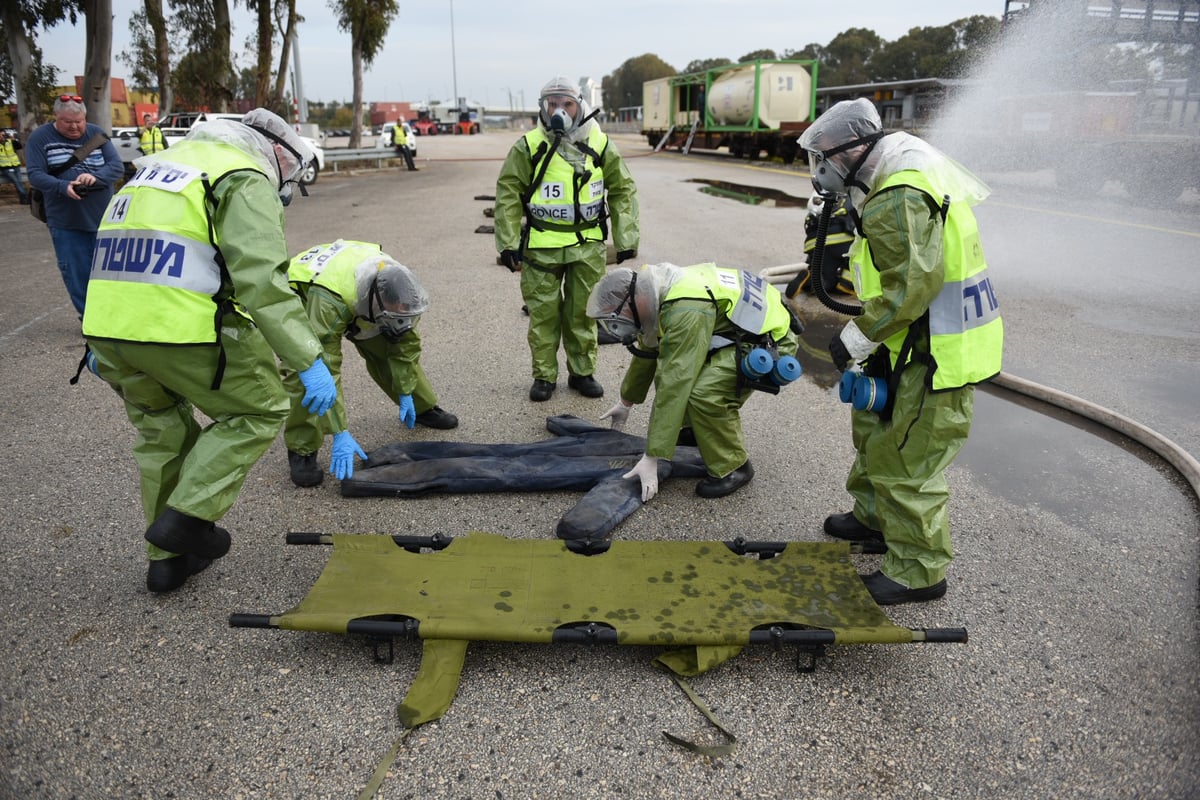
pixel 1076 571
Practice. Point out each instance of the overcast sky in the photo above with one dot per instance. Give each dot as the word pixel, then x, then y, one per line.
pixel 503 46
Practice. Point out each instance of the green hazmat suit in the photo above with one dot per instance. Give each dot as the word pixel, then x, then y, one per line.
pixel 696 385
pixel 556 278
pixel 913 253
pixel 393 365
pixel 196 470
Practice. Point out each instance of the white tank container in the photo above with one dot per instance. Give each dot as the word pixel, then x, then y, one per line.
pixel 785 95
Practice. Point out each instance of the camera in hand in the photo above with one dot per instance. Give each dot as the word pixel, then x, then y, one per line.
pixel 82 189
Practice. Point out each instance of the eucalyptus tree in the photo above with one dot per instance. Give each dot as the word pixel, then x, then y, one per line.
pixel 367 22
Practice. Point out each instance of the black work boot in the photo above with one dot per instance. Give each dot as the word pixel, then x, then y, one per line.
pixel 304 469
pixel 541 390
pixel 187 535
pixel 437 417
pixel 169 574
pixel 586 385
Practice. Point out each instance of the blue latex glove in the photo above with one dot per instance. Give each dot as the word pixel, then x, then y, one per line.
pixel 408 412
pixel 319 389
pixel 341 465
pixel 90 358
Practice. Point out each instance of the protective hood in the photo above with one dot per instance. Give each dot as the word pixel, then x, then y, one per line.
pixel 898 152
pixel 274 130
pixel 387 288
pixel 611 298
pixel 575 129
pixel 839 143
pixel 233 133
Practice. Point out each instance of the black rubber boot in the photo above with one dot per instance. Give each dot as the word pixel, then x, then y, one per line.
pixel 711 487
pixel 304 469
pixel 180 533
pixel 887 592
pixel 169 574
pixel 437 417
pixel 541 390
pixel 846 527
pixel 586 385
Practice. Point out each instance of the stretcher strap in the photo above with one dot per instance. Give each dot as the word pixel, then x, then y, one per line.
pixel 693 661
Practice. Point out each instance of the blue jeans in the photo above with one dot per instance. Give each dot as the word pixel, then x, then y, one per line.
pixel 74 252
pixel 13 175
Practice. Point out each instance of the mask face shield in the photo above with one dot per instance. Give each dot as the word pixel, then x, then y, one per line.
pixel 560 112
pixel 622 329
pixel 393 324
pixel 827 177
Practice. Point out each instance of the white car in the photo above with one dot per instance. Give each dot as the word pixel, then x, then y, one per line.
pixel 176 126
pixel 385 137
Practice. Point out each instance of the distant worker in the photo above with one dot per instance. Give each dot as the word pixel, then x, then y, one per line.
pixel 400 142
pixel 835 259
pixel 74 165
pixel 188 306
pixel 559 177
pixel 355 290
pixel 691 327
pixel 930 329
pixel 10 164
pixel 151 138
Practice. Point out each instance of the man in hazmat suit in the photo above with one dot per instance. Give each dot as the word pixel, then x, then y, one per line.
pixel 689 328
pixel 930 329
pixel 835 257
pixel 569 182
pixel 187 252
pixel 355 290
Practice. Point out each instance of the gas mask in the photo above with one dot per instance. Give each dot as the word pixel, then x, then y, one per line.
pixel 620 327
pixel 830 176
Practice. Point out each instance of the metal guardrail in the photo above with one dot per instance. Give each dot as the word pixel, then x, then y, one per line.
pixel 376 154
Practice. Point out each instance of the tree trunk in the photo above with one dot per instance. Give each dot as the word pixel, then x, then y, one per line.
pixel 162 57
pixel 222 31
pixel 289 31
pixel 356 103
pixel 97 71
pixel 262 75
pixel 20 56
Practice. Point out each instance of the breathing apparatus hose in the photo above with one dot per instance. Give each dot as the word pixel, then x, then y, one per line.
pixel 818 257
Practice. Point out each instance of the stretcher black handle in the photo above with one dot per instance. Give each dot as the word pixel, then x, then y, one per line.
pixel 250 621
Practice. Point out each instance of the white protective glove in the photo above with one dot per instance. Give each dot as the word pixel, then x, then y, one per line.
pixel 618 414
pixel 645 470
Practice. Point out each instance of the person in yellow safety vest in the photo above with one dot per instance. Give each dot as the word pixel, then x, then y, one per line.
pixel 568 182
pixel 930 329
pixel 188 307
pixel 400 142
pixel 10 164
pixel 151 139
pixel 835 258
pixel 356 291
pixel 692 326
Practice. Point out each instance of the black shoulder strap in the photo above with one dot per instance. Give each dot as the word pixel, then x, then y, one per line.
pixel 80 154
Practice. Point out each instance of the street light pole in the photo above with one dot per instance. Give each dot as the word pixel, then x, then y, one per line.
pixel 453 57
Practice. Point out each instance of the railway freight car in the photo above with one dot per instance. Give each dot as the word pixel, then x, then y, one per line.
pixel 752 108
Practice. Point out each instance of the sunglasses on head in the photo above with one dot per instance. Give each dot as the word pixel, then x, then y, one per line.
pixel 70 98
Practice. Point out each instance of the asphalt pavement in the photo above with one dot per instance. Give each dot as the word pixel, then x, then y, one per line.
pixel 1075 574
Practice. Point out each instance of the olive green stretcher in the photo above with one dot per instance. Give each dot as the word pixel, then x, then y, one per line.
pixel 710 598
